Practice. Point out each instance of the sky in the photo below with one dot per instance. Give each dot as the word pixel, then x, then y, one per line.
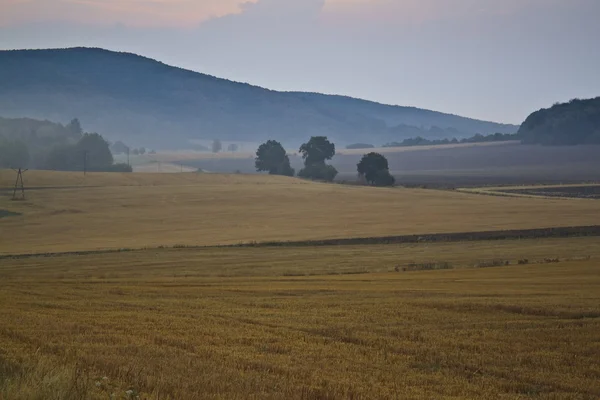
pixel 496 60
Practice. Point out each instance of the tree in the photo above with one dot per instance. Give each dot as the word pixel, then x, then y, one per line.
pixel 142 150
pixel 317 150
pixel 272 157
pixel 63 158
pixel 216 146
pixel 74 127
pixel 374 168
pixel 232 148
pixel 13 154
pixel 96 151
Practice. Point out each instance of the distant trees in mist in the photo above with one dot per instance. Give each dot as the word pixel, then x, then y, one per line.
pixel 28 143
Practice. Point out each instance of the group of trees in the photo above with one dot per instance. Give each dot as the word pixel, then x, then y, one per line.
pixel 27 143
pixel 271 157
pixel 572 123
pixel 478 138
pixel 91 153
pixel 217 146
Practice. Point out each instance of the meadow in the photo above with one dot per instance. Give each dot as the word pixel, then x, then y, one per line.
pixel 158 320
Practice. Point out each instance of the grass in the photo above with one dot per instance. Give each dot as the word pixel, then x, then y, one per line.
pixel 294 323
pixel 109 211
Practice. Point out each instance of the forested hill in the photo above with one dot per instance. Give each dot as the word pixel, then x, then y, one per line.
pixel 129 97
pixel 575 122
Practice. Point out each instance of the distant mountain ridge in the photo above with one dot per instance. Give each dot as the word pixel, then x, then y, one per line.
pixel 143 101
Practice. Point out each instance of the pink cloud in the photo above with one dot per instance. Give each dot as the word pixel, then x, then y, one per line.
pixel 175 13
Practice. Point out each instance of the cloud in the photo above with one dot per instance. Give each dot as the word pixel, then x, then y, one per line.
pixel 141 13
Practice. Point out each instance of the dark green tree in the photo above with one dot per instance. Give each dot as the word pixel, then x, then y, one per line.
pixel 317 150
pixel 74 127
pixel 374 168
pixel 272 158
pixel 96 151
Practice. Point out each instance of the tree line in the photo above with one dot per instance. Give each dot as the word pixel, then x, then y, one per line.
pixel 27 143
pixel 271 157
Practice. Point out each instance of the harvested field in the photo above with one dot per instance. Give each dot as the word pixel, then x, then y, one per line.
pixel 295 323
pixel 112 211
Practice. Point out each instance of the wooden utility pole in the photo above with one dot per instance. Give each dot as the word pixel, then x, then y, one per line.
pixel 19 185
pixel 85 153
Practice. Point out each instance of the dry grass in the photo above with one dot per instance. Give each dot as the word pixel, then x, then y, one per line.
pixel 279 323
pixel 103 211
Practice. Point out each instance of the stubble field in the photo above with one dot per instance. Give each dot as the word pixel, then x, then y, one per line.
pixel 494 319
pixel 111 211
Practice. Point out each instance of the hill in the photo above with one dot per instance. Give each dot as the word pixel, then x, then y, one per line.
pixel 575 122
pixel 129 97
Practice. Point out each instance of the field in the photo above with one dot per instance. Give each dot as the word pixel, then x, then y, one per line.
pixel 293 323
pixel 446 166
pixel 101 298
pixel 109 211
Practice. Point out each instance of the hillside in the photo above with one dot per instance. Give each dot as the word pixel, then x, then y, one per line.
pixel 572 123
pixel 129 97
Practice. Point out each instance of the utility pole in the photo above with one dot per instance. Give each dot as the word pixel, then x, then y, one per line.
pixel 19 184
pixel 85 153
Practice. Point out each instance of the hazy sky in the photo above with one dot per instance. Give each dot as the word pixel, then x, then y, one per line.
pixel 488 59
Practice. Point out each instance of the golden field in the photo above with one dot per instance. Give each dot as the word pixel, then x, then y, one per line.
pixel 300 323
pixel 329 322
pixel 70 212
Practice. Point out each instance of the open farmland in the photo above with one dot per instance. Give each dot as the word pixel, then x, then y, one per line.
pixel 110 211
pixel 463 165
pixel 102 299
pixel 295 323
